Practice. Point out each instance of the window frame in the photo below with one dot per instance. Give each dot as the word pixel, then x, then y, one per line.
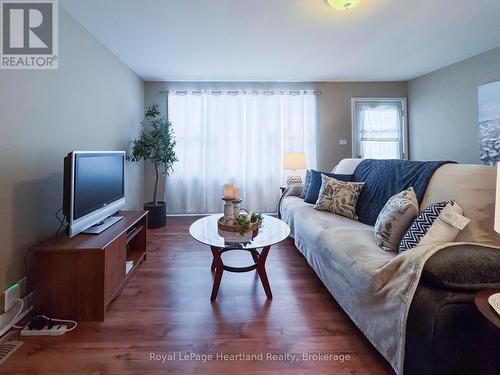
pixel 354 126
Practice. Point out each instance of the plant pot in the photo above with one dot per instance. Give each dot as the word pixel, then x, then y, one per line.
pixel 157 214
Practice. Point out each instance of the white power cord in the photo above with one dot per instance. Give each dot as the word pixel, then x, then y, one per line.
pixel 75 324
pixel 18 313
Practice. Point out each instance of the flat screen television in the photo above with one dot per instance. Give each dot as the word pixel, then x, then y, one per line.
pixel 94 189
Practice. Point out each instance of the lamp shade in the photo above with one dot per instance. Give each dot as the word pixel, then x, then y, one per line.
pixel 343 4
pixel 294 161
pixel 497 205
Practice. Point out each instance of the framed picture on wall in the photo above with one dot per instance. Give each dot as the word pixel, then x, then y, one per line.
pixel 489 122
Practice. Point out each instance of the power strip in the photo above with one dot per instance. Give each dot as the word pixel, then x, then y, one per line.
pixel 55 330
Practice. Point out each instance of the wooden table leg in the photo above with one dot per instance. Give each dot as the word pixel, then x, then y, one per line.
pixel 217 262
pixel 255 256
pixel 212 267
pixel 261 269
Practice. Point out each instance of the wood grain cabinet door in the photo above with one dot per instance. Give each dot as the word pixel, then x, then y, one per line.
pixel 115 257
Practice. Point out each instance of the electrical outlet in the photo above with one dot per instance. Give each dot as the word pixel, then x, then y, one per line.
pixel 11 296
pixel 15 291
pixel 23 286
pixel 7 318
pixel 343 142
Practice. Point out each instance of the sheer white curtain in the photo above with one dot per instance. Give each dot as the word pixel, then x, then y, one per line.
pixel 380 132
pixel 236 137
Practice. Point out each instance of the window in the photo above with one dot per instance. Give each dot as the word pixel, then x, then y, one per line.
pixel 238 137
pixel 379 128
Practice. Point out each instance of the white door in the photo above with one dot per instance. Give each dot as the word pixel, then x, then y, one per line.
pixel 379 128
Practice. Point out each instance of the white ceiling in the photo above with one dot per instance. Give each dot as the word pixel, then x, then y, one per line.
pixel 289 40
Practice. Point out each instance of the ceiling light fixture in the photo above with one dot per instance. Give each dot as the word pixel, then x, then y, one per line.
pixel 343 4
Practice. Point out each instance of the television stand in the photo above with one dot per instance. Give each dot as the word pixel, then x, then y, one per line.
pixel 102 225
pixel 79 277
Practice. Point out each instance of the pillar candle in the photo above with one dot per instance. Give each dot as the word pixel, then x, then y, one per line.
pixel 228 191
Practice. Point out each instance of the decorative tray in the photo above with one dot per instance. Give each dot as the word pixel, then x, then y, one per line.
pixel 240 229
pixel 231 225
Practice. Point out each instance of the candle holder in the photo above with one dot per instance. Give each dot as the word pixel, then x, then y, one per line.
pixel 236 207
pixel 228 209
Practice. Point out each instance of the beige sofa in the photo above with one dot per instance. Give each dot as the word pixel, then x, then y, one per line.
pixel 376 287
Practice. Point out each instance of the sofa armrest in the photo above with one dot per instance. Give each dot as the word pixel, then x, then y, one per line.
pixel 464 267
pixel 294 190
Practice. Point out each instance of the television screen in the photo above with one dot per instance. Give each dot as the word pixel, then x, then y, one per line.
pixel 98 181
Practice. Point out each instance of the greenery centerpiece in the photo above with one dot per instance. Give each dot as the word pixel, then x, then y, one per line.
pixel 156 144
pixel 244 224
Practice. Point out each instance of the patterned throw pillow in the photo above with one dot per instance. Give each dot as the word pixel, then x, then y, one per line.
pixel 307 182
pixel 395 218
pixel 339 197
pixel 427 228
pixel 316 181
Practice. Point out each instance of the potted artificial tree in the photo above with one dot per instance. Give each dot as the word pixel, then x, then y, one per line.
pixel 155 144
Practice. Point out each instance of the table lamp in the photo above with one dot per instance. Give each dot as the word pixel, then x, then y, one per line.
pixel 294 161
pixel 497 205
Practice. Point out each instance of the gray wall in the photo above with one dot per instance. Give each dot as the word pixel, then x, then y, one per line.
pixel 93 102
pixel 335 115
pixel 334 111
pixel 443 111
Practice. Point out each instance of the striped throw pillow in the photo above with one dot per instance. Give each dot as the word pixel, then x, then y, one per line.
pixel 427 224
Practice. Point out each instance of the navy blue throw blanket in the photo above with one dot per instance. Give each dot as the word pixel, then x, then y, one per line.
pixel 385 178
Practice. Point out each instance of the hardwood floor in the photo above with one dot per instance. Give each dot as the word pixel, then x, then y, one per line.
pixel 166 308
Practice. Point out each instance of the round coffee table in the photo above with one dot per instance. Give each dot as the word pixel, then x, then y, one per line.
pixel 273 231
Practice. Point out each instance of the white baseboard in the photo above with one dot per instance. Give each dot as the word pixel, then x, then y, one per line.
pixel 6 322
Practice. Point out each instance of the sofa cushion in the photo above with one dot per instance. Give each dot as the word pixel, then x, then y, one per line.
pixel 312 220
pixel 395 218
pixel 339 197
pixel 336 247
pixel 464 267
pixel 315 184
